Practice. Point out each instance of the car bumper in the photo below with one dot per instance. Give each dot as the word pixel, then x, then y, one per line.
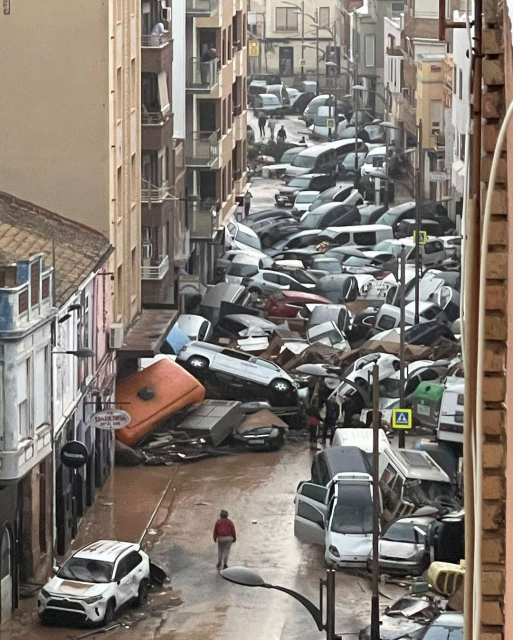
pixel 345 562
pixel 76 611
pixel 399 567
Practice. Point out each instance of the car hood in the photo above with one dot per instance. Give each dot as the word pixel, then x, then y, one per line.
pixel 74 588
pixel 400 550
pixel 351 546
pixel 283 191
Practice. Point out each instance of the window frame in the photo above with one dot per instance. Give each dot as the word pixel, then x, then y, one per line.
pixel 288 12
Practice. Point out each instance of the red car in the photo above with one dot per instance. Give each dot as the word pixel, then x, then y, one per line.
pixel 287 304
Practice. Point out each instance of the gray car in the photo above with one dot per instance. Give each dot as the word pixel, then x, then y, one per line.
pixel 403 548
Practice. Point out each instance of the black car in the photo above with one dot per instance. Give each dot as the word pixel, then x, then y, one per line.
pixel 332 214
pixel 273 227
pixel 427 333
pixel 337 194
pixel 307 182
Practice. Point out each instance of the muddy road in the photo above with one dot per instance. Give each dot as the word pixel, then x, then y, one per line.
pixel 174 510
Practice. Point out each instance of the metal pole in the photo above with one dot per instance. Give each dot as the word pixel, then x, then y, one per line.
pixel 387 183
pixel 418 217
pixel 375 505
pixel 317 54
pixel 303 40
pixel 330 604
pixel 356 181
pixel 330 115
pixel 401 342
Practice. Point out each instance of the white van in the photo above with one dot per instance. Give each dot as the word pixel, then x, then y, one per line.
pixel 450 422
pixel 365 235
pixel 242 266
pixel 361 438
pixel 318 159
pixel 389 316
pixel 375 160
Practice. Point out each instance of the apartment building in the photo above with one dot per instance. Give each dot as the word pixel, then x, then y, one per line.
pixel 165 244
pixel 215 123
pixel 71 128
pixel 296 38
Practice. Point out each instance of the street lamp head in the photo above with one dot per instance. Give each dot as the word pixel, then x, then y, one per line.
pixel 82 352
pixel 244 577
pixel 357 87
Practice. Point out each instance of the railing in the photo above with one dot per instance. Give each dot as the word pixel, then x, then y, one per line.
pixel 155 40
pixel 202 76
pixel 202 148
pixel 237 110
pixel 155 117
pixel 202 7
pixel 153 193
pixel 201 219
pixel 155 272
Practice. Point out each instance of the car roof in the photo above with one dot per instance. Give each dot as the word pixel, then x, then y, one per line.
pixel 246 258
pixel 360 227
pixel 309 193
pixel 310 175
pixel 378 151
pixel 300 295
pixel 107 550
pixel 399 208
pixel 315 151
pixel 221 291
pixel 352 459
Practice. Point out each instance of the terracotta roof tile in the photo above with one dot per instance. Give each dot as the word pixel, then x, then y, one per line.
pixel 72 248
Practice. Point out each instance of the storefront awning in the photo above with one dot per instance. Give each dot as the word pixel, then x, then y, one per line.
pixel 148 334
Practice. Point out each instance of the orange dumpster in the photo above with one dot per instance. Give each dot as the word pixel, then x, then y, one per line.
pixel 152 395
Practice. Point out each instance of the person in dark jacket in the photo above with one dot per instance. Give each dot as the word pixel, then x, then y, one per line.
pixel 262 121
pixel 225 535
pixel 314 421
pixel 282 135
pixel 330 421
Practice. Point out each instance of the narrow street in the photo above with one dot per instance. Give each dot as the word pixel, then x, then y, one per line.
pixel 258 491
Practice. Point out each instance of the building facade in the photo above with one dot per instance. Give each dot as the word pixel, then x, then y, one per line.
pixel 215 123
pixel 73 126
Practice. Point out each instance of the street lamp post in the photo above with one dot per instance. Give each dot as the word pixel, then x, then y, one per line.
pixel 402 441
pixel 375 505
pixel 248 578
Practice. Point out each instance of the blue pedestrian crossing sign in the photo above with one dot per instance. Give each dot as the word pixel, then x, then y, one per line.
pixel 402 418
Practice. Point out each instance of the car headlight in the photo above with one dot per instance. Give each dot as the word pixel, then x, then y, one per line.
pixel 334 551
pixel 93 599
pixel 44 593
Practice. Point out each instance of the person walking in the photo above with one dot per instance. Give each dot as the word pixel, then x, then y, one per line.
pixel 225 535
pixel 272 127
pixel 330 421
pixel 282 134
pixel 314 420
pixel 262 121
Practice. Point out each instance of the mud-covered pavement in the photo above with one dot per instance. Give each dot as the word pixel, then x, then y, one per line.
pixel 258 491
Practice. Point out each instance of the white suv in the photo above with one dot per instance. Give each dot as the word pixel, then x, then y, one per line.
pixel 95 582
pixel 202 356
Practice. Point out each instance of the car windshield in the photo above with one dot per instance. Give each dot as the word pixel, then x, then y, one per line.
pixel 354 261
pixel 86 570
pixel 375 132
pixel 390 388
pixel 388 218
pixel 444 633
pixel 353 511
pixel 403 532
pixel 269 100
pixel 250 241
pixel 388 247
pixel 237 269
pixel 304 198
pixel 289 155
pixel 301 183
pixel 349 159
pixel 310 221
pixel 303 277
pixel 303 162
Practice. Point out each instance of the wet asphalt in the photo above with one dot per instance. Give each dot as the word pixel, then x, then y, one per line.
pixel 174 509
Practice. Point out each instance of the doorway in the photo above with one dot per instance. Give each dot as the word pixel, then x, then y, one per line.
pixel 6 575
pixel 286 61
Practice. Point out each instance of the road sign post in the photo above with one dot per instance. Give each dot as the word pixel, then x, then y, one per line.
pixel 402 418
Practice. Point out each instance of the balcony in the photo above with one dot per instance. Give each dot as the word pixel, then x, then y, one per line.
pixel 157 129
pixel 155 41
pixel 153 193
pixel 157 271
pixel 202 8
pixel 202 219
pixel 157 52
pixel 202 149
pixel 439 141
pixel 202 77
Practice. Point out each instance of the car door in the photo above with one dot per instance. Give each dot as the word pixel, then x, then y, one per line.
pixel 125 582
pixel 231 362
pixel 271 283
pixel 262 371
pixel 310 513
pixel 433 252
pixel 135 569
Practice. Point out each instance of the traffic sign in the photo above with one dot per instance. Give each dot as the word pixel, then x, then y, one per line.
pixel 253 48
pixel 423 237
pixel 402 418
pixel 330 123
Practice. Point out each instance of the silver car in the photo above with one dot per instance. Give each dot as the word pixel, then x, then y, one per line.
pixel 200 357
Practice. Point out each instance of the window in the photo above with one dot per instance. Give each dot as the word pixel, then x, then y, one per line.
pixel 41 375
pixel 455 80
pixel 272 277
pixel 286 19
pixel 45 290
pixel 34 284
pixel 433 247
pixel 342 238
pixel 235 354
pixel 23 386
pixel 462 146
pixel 314 491
pixel 324 17
pixel 310 513
pixel 365 238
pixel 23 302
pixel 460 87
pixel 370 50
pixel 5 555
pixel 132 560
pixel 386 322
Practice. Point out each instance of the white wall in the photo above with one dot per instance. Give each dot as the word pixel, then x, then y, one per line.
pixel 392 64
pixel 179 68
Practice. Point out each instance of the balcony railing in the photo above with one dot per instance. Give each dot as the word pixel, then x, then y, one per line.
pixel 202 217
pixel 155 272
pixel 156 40
pixel 155 117
pixel 202 76
pixel 154 193
pixel 202 149
pixel 202 8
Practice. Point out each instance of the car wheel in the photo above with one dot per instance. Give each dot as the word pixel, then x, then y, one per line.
pixel 110 612
pixel 281 386
pixel 197 363
pixel 266 241
pixel 142 594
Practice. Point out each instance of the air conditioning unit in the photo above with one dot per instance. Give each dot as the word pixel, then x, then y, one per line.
pixel 116 335
pixel 166 13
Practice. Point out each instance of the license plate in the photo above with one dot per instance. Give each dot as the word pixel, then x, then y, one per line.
pixel 423 410
pixel 257 441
